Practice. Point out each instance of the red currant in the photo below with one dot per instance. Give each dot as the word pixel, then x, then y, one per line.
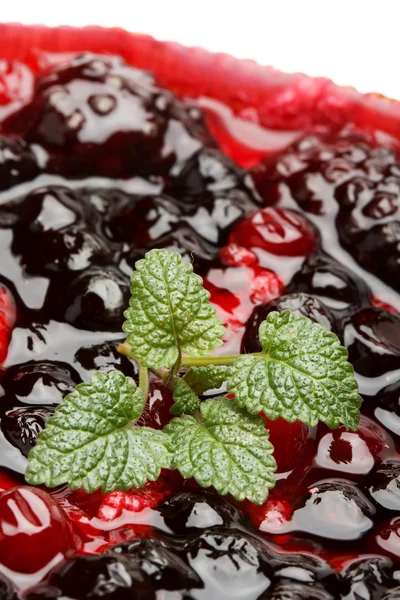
pixel 33 530
pixel 278 231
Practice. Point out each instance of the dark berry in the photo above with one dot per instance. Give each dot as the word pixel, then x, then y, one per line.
pixel 277 231
pixel 17 162
pixel 190 512
pixel 103 357
pixel 367 578
pixel 287 589
pixel 384 485
pixel 333 509
pixel 95 299
pixel 34 530
pixel 333 283
pixel 22 424
pixel 98 116
pixel 231 563
pixel 53 236
pixel 354 453
pixel 110 577
pixel 157 410
pixel 372 338
pixel 387 409
pixel 301 304
pixel 7 591
pixel 164 567
pixel 39 382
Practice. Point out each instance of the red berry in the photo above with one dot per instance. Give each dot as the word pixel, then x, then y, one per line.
pixel 234 255
pixel 7 319
pixel 386 538
pixel 266 286
pixel 278 231
pixel 157 410
pixel 33 530
pixel 375 301
pixel 289 441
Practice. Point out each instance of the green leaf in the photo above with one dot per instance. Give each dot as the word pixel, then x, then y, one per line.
pixel 201 379
pixel 90 443
pixel 185 400
pixel 302 374
pixel 228 449
pixel 169 311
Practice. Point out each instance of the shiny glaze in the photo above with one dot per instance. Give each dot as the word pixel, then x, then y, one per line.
pixel 79 204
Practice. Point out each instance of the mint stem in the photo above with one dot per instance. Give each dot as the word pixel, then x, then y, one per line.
pixel 144 383
pixel 195 361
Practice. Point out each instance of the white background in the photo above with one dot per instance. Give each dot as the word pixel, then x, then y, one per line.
pixel 353 42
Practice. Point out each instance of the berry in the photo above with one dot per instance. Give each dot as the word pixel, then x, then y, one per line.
pixel 53 235
pixel 285 589
pixel 333 509
pixel 39 382
pixel 372 337
pixel 386 538
pixel 110 577
pixel 95 115
pixel 234 255
pixel 17 162
pixel 33 530
pixel 95 299
pixel 165 569
pixel 367 578
pixel 104 357
pixel 387 410
pixel 157 410
pixel 190 512
pixel 353 453
pixel 7 319
pixel 277 231
pixel 301 304
pixel 331 282
pixel 384 485
pixel 22 424
pixel 290 442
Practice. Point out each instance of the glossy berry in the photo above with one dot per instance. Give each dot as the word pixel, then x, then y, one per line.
pixel 372 338
pixel 234 255
pixel 387 408
pixel 296 590
pixel 164 567
pixel 190 512
pixel 17 162
pixel 157 411
pixel 301 304
pixel 22 424
pixel 289 441
pixel 34 530
pixel 277 231
pixel 353 453
pixel 7 319
pixel 367 577
pixel 108 577
pixel 333 509
pixel 96 299
pixel 384 485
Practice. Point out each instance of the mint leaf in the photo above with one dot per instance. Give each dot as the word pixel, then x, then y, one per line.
pixel 89 442
pixel 227 449
pixel 169 311
pixel 185 400
pixel 302 374
pixel 201 379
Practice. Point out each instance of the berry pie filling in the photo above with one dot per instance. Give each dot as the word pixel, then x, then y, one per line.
pixel 199 329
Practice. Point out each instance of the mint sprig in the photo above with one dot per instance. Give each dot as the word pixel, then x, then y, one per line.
pixel 93 440
pixel 301 374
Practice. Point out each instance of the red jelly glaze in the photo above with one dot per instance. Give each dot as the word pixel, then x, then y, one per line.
pixel 236 281
pixel 34 530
